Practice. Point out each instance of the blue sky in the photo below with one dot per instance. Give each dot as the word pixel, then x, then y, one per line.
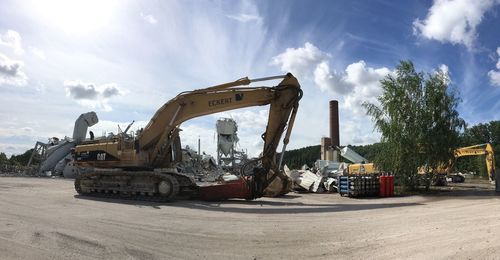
pixel 124 59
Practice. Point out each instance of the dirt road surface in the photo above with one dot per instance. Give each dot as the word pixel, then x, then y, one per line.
pixel 42 218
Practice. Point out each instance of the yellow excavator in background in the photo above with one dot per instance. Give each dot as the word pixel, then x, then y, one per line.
pixel 474 150
pixel 445 171
pixel 144 167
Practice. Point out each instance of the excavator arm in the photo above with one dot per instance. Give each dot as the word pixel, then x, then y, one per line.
pixel 159 135
pixel 476 150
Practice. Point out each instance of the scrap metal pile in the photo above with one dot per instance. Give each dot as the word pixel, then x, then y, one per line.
pixel 323 177
pixel 317 180
pixel 342 181
pixel 356 179
pixel 204 169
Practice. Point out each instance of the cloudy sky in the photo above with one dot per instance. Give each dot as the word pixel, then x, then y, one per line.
pixel 124 59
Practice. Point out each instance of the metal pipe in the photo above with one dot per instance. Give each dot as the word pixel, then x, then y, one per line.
pixel 287 134
pixel 268 78
pixel 175 116
pixel 281 157
pixel 241 82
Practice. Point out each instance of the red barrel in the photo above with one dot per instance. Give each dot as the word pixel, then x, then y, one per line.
pixel 387 186
pixel 383 189
pixel 391 185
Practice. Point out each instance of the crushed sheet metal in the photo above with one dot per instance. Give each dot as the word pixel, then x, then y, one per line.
pixel 310 181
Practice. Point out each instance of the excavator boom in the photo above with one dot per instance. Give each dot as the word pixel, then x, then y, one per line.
pixel 476 150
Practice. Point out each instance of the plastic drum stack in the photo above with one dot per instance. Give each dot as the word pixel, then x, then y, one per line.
pixel 362 185
pixel 358 185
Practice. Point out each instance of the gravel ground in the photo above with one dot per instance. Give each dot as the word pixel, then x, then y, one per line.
pixel 42 218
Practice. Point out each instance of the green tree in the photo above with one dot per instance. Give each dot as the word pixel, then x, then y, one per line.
pixel 3 158
pixel 21 159
pixel 418 120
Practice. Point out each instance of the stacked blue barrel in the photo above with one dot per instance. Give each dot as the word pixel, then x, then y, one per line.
pixel 359 185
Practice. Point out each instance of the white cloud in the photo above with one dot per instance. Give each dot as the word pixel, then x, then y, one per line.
pixel 14 148
pixel 358 130
pixel 367 88
pixel 190 134
pixel 300 61
pixel 356 84
pixel 453 21
pixel 494 77
pixel 37 52
pixel 245 18
pixel 91 95
pixel 327 80
pixel 149 18
pixel 356 78
pixel 12 39
pixel 310 62
pixel 444 68
pixel 495 74
pixel 11 73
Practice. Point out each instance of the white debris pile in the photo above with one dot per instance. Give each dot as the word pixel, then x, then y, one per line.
pixel 310 181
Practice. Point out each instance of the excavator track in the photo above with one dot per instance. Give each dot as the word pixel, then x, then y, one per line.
pixel 134 185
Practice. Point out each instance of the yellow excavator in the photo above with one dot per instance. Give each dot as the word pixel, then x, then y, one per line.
pixel 474 150
pixel 143 166
pixel 445 170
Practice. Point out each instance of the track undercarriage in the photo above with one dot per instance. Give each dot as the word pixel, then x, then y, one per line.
pixel 137 185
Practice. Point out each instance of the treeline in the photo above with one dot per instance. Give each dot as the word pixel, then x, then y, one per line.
pixel 21 159
pixel 294 159
pixel 477 134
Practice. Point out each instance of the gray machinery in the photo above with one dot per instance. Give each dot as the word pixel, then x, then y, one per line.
pixel 227 156
pixel 55 155
pixel 351 155
pixel 226 141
